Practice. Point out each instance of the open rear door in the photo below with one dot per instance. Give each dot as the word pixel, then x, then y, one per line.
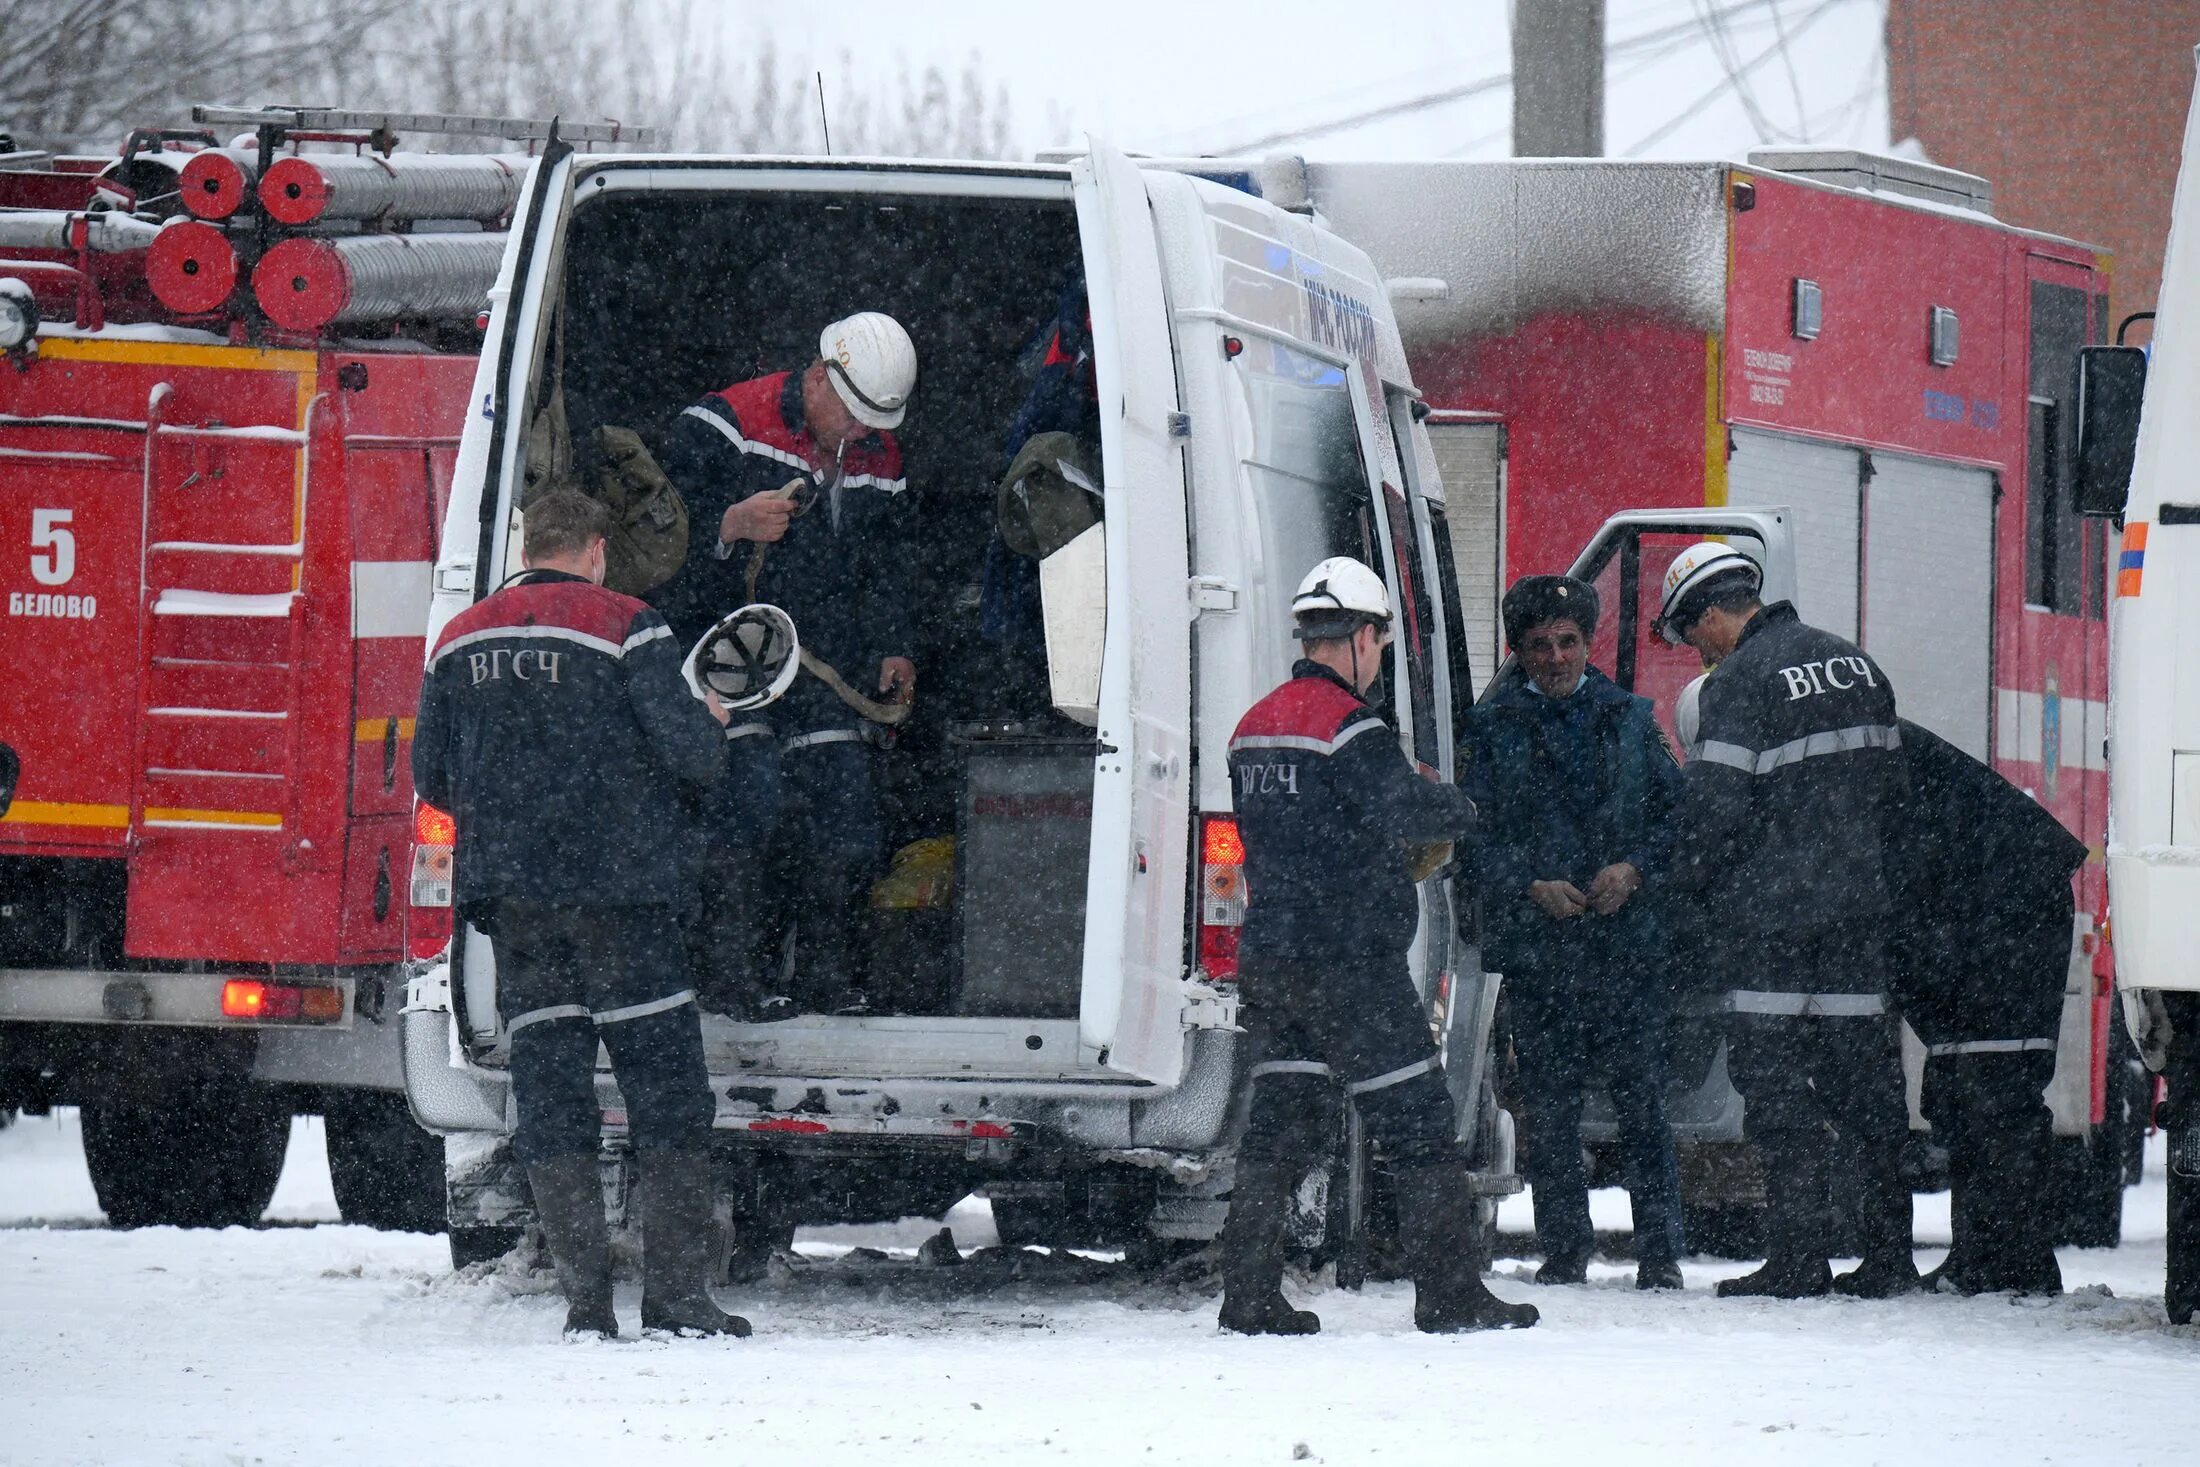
pixel 1626 562
pixel 485 483
pixel 1131 1004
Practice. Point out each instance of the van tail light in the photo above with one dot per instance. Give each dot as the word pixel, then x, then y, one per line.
pixel 428 916
pixel 1221 897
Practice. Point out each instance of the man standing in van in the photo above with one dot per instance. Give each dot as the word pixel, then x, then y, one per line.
pixel 1786 801
pixel 1328 806
pixel 555 728
pixel 835 555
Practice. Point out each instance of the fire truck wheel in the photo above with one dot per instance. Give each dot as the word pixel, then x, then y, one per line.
pixel 386 1172
pixel 204 1156
pixel 472 1245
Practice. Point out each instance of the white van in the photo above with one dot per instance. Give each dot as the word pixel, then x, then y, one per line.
pixel 1077 1058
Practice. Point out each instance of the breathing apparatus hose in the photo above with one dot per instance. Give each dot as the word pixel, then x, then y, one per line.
pixel 889 714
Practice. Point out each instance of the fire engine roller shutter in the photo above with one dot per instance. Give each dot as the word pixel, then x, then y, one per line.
pixel 1823 484
pixel 1929 592
pixel 1470 458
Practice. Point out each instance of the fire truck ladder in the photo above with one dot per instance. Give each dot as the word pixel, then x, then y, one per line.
pixel 221 678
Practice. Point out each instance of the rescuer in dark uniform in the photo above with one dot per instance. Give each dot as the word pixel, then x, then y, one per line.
pixel 1327 804
pixel 554 725
pixel 1785 809
pixel 1575 788
pixel 1980 954
pixel 836 555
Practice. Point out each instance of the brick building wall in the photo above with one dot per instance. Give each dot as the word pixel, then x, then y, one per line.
pixel 2073 109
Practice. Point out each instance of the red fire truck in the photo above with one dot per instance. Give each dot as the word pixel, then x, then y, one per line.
pixel 1854 338
pixel 221 477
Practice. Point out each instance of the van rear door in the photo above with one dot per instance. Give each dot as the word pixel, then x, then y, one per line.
pixel 1130 1009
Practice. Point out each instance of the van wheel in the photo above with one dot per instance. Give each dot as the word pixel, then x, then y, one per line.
pixel 472 1245
pixel 386 1172
pixel 205 1155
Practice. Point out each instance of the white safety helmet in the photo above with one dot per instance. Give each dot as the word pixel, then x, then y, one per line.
pixel 1687 714
pixel 1336 597
pixel 748 659
pixel 1693 573
pixel 872 364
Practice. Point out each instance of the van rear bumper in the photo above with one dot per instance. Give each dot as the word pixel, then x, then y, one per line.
pixel 451 1094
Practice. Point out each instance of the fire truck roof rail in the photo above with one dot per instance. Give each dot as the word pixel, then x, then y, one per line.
pixel 1878 173
pixel 339 119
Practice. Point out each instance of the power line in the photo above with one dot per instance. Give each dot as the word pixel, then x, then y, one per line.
pixel 1787 59
pixel 1666 129
pixel 1677 34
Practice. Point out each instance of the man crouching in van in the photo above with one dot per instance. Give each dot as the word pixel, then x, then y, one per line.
pixel 1326 803
pixel 553 725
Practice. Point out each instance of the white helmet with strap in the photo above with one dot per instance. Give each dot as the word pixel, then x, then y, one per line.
pixel 872 364
pixel 748 659
pixel 1690 579
pixel 1337 597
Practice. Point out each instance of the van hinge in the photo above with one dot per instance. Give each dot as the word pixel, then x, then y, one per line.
pixel 458 576
pixel 1208 1007
pixel 1212 593
pixel 1180 426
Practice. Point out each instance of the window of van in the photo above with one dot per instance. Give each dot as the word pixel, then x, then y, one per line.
pixel 1305 463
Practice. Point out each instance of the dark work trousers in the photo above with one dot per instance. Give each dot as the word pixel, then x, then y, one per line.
pixel 1564 1034
pixel 571 977
pixel 1989 1110
pixel 794 838
pixel 732 920
pixel 1817 1058
pixel 1318 1035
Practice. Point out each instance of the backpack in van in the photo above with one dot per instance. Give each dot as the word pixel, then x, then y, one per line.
pixel 648 542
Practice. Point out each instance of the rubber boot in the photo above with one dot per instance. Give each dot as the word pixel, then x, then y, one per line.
pixel 1958 1272
pixel 1564 1268
pixel 1659 1274
pixel 2017 1252
pixel 1252 1254
pixel 1888 1267
pixel 1795 1249
pixel 1436 1208
pixel 677 1236
pixel 569 1205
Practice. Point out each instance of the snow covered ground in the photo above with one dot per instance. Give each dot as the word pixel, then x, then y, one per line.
pixel 337 1345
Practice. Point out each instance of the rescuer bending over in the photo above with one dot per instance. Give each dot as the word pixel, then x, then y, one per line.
pixel 796 497
pixel 1327 801
pixel 555 728
pixel 1782 835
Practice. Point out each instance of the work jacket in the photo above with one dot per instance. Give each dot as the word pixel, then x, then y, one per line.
pixel 1327 805
pixel 1979 942
pixel 845 576
pixel 1785 798
pixel 1565 787
pixel 555 728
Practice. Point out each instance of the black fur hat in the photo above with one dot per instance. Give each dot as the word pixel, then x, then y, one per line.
pixel 1534 600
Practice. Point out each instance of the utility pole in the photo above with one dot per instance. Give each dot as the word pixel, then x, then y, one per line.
pixel 1558 78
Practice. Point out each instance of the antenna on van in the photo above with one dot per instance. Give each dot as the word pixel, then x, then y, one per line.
pixel 822 120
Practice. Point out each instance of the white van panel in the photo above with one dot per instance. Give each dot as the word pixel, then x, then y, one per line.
pixel 1471 458
pixel 1130 1008
pixel 1929 593
pixel 1823 484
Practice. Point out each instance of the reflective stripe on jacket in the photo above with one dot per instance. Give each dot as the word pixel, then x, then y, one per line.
pixel 556 729
pixel 1327 803
pixel 1786 798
